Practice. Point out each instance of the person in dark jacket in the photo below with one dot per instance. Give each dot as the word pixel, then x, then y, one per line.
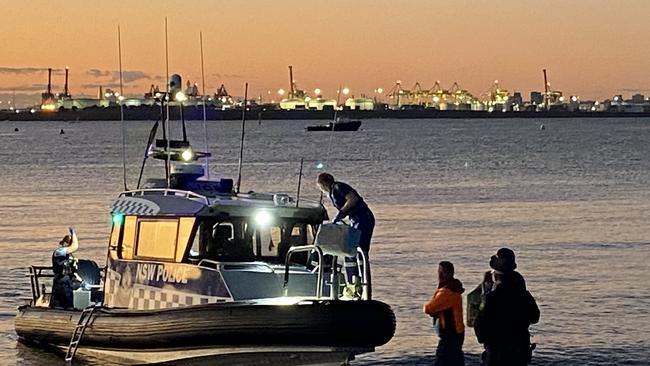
pixel 502 325
pixel 446 309
pixel 64 266
pixel 349 204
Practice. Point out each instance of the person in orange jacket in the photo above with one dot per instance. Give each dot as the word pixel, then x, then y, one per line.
pixel 446 309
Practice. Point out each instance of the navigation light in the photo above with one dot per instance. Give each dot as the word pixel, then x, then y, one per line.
pixel 118 218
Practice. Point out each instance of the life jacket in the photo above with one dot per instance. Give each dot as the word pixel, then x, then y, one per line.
pixel 63 264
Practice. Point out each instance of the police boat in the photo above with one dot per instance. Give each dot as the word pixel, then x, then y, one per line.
pixel 197 273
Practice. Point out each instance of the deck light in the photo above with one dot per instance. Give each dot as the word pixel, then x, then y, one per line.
pixel 187 155
pixel 263 218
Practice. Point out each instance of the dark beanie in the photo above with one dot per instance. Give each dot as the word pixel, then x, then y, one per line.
pixel 503 261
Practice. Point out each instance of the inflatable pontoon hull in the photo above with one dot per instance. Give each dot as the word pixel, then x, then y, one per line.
pixel 326 325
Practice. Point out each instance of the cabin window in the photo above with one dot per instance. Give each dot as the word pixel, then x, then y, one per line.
pixel 267 242
pixel 157 239
pixel 128 238
pixel 238 239
pixel 115 239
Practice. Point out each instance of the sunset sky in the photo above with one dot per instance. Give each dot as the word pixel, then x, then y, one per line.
pixel 592 48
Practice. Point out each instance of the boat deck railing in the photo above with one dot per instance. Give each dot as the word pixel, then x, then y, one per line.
pixel 334 282
pixel 166 192
pixel 36 273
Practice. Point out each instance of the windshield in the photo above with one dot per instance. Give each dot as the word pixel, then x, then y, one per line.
pixel 239 240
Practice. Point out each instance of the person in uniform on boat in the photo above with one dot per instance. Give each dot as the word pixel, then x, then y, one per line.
pixel 64 266
pixel 502 325
pixel 446 309
pixel 349 204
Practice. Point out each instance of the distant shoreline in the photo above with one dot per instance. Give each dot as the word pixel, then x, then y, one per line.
pixel 196 113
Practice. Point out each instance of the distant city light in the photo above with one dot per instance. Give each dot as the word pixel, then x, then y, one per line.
pixel 319 166
pixel 380 90
pixel 317 91
pixel 180 97
pixel 281 91
pixel 187 155
pixel 346 91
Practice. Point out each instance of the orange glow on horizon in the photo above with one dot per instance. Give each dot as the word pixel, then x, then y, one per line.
pixel 591 48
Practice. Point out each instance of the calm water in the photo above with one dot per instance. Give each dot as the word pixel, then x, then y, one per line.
pixel 571 200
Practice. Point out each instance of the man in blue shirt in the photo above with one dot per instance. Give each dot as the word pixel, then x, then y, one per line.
pixel 349 204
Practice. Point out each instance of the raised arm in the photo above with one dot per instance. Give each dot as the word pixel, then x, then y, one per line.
pixel 75 243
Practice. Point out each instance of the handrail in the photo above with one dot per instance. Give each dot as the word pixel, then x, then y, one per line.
pixel 305 248
pixel 367 281
pixel 165 192
pixel 221 265
pixel 35 272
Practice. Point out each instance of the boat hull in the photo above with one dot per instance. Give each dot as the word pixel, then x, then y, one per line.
pixel 339 126
pixel 327 325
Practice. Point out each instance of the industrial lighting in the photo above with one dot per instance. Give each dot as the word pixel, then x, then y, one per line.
pixel 346 91
pixel 380 90
pixel 263 218
pixel 187 155
pixel 281 91
pixel 180 97
pixel 317 91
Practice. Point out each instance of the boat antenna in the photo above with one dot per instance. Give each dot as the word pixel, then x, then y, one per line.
pixel 241 144
pixel 302 160
pixel 205 126
pixel 329 145
pixel 120 99
pixel 166 121
pixel 152 137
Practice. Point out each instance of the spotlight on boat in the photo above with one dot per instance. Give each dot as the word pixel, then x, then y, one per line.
pixel 187 155
pixel 263 218
pixel 118 218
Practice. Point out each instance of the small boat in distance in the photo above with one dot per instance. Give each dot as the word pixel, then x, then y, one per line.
pixel 336 126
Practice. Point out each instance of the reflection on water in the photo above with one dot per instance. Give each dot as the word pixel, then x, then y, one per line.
pixel 571 200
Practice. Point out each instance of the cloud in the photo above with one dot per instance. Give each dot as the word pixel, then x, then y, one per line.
pixel 97 85
pixel 24 88
pixel 128 76
pixel 27 70
pixel 96 73
pixel 227 76
pixel 633 90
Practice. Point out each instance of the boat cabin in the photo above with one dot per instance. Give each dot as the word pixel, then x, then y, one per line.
pixel 175 248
